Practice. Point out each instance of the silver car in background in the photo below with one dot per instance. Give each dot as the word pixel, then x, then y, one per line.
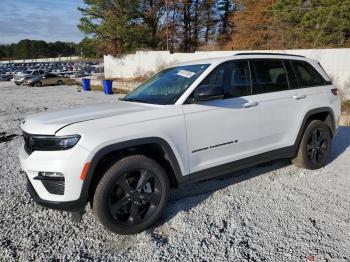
pixel 44 80
pixel 21 77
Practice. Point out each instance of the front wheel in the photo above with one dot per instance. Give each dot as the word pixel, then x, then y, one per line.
pixel 38 84
pixel 132 195
pixel 59 82
pixel 315 146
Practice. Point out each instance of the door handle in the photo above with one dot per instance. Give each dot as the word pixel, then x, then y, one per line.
pixel 299 96
pixel 250 104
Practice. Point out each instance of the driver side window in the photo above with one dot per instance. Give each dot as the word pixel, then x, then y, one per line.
pixel 233 77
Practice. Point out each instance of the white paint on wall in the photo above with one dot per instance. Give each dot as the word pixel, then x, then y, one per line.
pixel 336 62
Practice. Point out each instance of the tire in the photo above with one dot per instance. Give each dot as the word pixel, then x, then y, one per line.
pixel 38 84
pixel 59 82
pixel 126 203
pixel 314 147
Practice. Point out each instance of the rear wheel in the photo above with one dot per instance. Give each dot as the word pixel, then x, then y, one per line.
pixel 315 146
pixel 38 84
pixel 131 195
pixel 59 82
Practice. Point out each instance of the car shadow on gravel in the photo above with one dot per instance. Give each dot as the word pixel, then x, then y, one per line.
pixel 340 142
pixel 6 138
pixel 188 196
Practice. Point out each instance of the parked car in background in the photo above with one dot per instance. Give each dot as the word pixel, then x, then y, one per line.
pixel 21 77
pixel 78 68
pixel 44 80
pixel 5 77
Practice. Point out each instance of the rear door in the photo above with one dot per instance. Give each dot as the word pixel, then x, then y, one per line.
pixel 312 84
pixel 223 130
pixel 282 106
pixel 50 79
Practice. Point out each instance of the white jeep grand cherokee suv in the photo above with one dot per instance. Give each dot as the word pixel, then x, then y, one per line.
pixel 187 123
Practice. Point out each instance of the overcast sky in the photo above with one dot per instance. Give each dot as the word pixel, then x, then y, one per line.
pixel 48 20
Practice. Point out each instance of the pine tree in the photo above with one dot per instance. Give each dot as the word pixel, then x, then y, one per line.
pixel 117 24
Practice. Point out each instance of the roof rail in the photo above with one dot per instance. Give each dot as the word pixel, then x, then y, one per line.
pixel 247 53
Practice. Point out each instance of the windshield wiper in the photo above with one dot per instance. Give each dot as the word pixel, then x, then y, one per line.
pixel 134 100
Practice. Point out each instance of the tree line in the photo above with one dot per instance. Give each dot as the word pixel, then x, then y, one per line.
pixel 26 49
pixel 121 26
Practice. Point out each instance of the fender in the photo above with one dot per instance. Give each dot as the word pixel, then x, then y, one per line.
pixel 169 155
pixel 331 125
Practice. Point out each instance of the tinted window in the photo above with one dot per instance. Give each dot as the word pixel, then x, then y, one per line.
pixel 269 76
pixel 293 81
pixel 50 75
pixel 307 75
pixel 233 76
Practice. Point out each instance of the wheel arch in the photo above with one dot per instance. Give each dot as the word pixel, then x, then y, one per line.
pixel 153 147
pixel 324 114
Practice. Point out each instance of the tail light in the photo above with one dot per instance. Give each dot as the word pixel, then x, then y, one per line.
pixel 334 91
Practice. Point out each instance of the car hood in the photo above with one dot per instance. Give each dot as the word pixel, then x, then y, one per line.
pixel 23 76
pixel 48 123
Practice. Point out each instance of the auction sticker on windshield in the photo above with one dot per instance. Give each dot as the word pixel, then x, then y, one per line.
pixel 186 73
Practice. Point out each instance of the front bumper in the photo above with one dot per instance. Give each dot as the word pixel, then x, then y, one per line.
pixel 71 206
pixel 68 162
pixel 18 82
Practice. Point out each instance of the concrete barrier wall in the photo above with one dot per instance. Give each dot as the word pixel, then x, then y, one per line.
pixel 335 61
pixel 57 59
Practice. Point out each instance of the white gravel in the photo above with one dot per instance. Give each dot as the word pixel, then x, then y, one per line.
pixel 273 212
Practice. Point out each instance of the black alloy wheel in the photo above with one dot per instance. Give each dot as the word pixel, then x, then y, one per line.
pixel 315 146
pixel 132 195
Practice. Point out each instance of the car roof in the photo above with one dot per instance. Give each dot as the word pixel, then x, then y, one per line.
pixel 245 55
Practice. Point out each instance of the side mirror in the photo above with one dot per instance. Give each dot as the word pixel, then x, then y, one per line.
pixel 208 92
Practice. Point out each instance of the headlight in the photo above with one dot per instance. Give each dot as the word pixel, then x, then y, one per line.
pixel 49 143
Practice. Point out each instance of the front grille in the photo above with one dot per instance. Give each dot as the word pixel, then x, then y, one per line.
pixel 27 143
pixel 54 186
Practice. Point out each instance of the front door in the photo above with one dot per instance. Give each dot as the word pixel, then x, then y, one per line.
pixel 224 130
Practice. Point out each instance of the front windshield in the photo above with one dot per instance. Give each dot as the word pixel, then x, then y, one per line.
pixel 28 72
pixel 167 86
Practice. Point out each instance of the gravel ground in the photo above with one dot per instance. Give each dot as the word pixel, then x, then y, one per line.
pixel 273 212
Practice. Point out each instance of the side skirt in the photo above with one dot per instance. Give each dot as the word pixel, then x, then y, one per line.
pixel 287 152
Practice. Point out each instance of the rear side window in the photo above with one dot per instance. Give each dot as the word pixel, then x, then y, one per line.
pixel 50 75
pixel 268 76
pixel 233 76
pixel 307 74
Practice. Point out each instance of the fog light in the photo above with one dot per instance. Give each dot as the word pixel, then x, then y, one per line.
pixel 49 175
pixel 52 181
